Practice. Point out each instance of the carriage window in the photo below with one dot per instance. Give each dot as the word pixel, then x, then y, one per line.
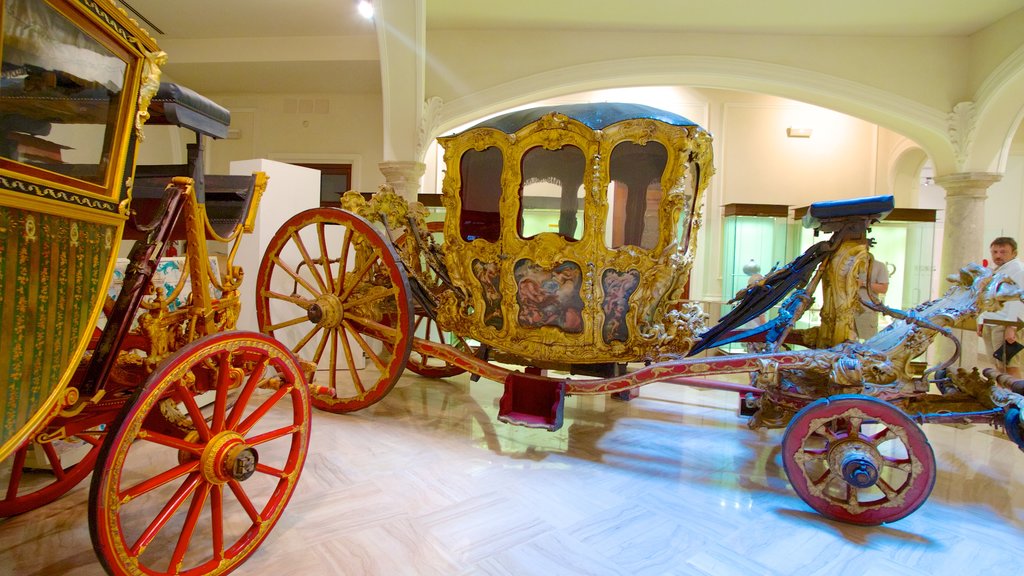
pixel 634 194
pixel 480 194
pixel 552 192
pixel 59 93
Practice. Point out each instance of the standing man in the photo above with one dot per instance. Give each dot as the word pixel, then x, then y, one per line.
pixel 999 328
pixel 877 281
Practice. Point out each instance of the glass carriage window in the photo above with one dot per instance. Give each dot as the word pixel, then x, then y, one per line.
pixel 551 194
pixel 634 194
pixel 59 93
pixel 480 194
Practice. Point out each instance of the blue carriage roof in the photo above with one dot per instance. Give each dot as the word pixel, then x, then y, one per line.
pixel 596 116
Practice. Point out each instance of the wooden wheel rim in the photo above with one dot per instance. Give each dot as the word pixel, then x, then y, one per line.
pixel 18 498
pixel 335 320
pixel 830 431
pixel 113 494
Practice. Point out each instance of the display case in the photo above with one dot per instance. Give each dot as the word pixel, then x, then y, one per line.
pixel 754 240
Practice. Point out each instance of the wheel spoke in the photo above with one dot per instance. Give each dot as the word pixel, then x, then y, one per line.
pixel 356 380
pixel 264 469
pixel 262 410
pixel 191 520
pixel 367 350
pixel 157 481
pixel 320 347
pixel 170 441
pixel 889 491
pixel 882 436
pixel 295 275
pixel 273 435
pixel 346 241
pixel 358 276
pixel 372 296
pixel 243 499
pixel 217 521
pixel 322 238
pixel 54 460
pixel 17 467
pixel 243 396
pixel 293 322
pixel 299 301
pixel 305 339
pixel 309 261
pixel 173 504
pixel 198 420
pixel 220 401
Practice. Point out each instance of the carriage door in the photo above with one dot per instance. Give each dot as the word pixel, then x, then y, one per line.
pixel 547 257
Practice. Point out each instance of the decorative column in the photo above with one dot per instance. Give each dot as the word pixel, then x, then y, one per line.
pixel 401 39
pixel 965 225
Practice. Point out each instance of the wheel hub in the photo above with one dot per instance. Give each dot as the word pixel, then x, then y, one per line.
pixel 857 462
pixel 228 457
pixel 327 311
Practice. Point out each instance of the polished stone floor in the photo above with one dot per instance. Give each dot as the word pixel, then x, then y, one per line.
pixel 427 482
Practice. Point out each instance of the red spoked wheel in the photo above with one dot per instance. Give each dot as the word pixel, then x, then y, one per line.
pixel 858 459
pixel 333 290
pixel 40 472
pixel 188 489
pixel 425 327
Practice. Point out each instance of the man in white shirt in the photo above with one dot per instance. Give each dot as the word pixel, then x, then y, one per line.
pixel 998 328
pixel 866 320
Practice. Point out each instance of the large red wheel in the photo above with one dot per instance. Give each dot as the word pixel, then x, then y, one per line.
pixel 425 327
pixel 40 472
pixel 858 459
pixel 332 289
pixel 189 489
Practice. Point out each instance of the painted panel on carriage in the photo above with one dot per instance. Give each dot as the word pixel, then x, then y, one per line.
pixel 617 287
pixel 549 296
pixel 51 268
pixel 488 274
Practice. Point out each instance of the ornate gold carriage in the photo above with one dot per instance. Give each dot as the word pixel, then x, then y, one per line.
pixel 567 240
pixel 571 231
pixel 129 368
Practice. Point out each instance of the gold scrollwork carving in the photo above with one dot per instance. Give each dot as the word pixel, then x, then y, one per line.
pixel 150 86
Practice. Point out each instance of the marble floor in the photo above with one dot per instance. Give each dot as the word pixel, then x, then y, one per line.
pixel 427 482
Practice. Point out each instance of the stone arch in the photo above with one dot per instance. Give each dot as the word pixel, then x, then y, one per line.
pixel 999 113
pixel 904 173
pixel 925 125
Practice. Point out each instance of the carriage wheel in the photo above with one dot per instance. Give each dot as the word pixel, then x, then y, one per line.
pixel 57 467
pixel 1014 426
pixel 185 489
pixel 426 328
pixel 858 459
pixel 332 289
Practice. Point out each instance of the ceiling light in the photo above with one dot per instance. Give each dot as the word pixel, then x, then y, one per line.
pixel 366 9
pixel 793 132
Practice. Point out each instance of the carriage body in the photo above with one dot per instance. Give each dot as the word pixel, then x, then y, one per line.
pixel 76 82
pixel 110 364
pixel 570 232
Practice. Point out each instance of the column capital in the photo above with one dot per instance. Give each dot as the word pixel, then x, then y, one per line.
pixel 968 183
pixel 404 176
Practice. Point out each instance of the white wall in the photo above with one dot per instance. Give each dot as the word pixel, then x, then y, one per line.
pixel 290 190
pixel 316 128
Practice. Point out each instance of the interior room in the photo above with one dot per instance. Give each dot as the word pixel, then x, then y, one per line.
pixel 920 100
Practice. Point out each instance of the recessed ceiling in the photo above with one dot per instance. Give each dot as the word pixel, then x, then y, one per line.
pixel 253 25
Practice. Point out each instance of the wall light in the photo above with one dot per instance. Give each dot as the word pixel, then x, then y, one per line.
pixel 793 132
pixel 366 9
